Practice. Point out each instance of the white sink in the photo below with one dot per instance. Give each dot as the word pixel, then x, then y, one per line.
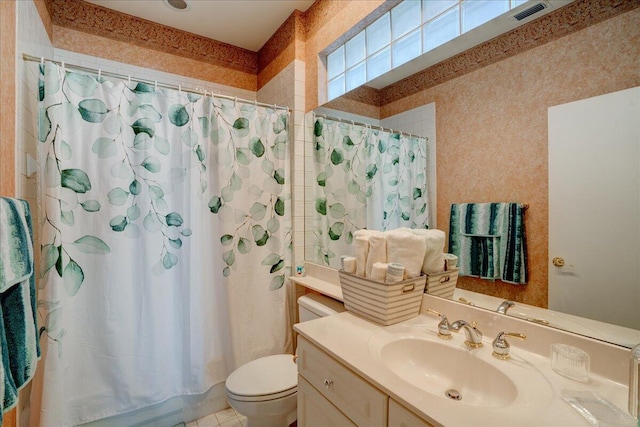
pixel 457 375
pixel 449 372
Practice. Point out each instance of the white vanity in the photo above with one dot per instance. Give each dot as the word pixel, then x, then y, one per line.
pixel 354 372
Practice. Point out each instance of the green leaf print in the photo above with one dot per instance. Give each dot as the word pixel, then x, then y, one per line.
pixel 257 147
pixel 260 235
pixel 174 219
pixel 215 204
pixel 335 231
pixel 317 128
pixel 81 84
pixel 279 206
pixel 169 260
pixel 118 196
pixel 93 110
pixel 118 223
pixel 104 148
pixel 226 239
pixel 135 187
pixel 244 245
pixel 50 255
pixel 76 180
pixel 277 282
pixel 73 277
pixel 152 164
pixel 90 205
pixel 241 127
pixel 321 205
pixel 91 245
pixel 144 126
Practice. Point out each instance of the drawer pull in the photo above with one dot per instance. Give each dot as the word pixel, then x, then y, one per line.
pixel 328 382
pixel 408 288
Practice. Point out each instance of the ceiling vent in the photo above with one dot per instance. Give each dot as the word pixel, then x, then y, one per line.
pixel 531 11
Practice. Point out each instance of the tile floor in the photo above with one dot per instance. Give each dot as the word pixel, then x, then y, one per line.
pixel 225 418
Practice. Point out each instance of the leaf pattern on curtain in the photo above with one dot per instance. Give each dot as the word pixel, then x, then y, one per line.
pixel 166 235
pixel 258 137
pixel 236 153
pixel 364 178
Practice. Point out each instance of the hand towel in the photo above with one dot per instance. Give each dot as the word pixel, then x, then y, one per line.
pixel 18 331
pixel 434 253
pixel 361 244
pixel 379 271
pixel 408 249
pixel 489 240
pixel 349 264
pixel 377 251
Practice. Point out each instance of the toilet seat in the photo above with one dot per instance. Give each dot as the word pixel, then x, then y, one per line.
pixel 263 379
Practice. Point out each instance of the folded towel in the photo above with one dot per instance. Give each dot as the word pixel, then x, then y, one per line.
pixel 434 252
pixel 379 271
pixel 349 264
pixel 408 249
pixel 361 244
pixel 489 240
pixel 377 251
pixel 18 331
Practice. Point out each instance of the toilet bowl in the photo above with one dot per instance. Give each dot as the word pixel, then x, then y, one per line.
pixel 265 389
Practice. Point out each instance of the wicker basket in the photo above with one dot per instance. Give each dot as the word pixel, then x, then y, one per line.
pixel 379 302
pixel 442 284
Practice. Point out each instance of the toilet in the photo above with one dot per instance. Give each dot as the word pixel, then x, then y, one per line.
pixel 265 390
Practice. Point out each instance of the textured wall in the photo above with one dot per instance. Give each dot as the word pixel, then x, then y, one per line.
pixel 492 129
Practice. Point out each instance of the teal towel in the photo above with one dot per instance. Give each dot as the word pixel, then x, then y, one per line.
pixel 489 240
pixel 18 326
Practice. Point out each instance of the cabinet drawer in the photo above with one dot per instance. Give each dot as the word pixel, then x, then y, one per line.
pixel 316 411
pixel 364 404
pixel 399 416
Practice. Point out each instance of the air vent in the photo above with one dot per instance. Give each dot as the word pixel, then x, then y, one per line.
pixel 528 12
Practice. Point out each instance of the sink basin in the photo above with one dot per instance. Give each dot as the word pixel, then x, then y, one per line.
pixel 449 372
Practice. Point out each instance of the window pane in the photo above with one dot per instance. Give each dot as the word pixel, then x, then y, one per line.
pixel 378 34
pixel 477 12
pixel 515 3
pixel 433 8
pixel 356 76
pixel 378 64
pixel 335 63
pixel 442 29
pixel 336 87
pixel 404 18
pixel 407 48
pixel 355 50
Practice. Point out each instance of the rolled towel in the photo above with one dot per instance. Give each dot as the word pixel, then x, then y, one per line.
pixel 379 271
pixel 349 264
pixel 408 249
pixel 395 273
pixel 377 251
pixel 434 253
pixel 361 244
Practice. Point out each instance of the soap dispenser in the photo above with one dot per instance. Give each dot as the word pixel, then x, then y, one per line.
pixel 634 382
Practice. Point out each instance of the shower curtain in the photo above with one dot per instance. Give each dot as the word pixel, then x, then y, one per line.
pixel 364 178
pixel 165 232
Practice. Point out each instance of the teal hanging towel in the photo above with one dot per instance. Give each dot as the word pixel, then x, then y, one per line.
pixel 489 240
pixel 18 328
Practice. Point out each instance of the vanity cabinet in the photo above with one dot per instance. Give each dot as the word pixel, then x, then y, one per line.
pixel 361 402
pixel 399 416
pixel 331 394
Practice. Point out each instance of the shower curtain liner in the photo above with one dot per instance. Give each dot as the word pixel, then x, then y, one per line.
pixel 165 229
pixel 385 177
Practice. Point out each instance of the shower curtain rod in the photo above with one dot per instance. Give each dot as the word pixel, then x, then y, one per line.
pixel 338 119
pixel 152 82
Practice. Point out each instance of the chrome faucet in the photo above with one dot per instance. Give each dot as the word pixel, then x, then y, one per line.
pixel 473 334
pixel 506 305
pixel 501 346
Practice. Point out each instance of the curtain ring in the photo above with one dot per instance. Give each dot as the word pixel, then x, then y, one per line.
pixel 235 101
pixel 42 60
pixel 99 73
pixel 255 102
pixel 63 68
pixel 155 85
pixel 129 84
pixel 180 89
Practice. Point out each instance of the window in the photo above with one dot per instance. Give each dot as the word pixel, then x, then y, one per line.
pixel 408 30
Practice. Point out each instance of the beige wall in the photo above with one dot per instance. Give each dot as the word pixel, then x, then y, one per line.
pixel 492 129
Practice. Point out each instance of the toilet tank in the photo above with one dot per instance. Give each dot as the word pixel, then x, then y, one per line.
pixel 313 306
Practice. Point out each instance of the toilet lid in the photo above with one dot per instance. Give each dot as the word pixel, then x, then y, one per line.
pixel 266 378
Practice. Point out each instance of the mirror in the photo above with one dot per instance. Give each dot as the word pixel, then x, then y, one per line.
pixel 604 331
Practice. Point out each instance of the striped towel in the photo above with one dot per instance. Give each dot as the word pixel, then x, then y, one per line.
pixel 489 240
pixel 18 327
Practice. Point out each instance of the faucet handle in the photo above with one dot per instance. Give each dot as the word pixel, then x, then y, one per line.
pixel 501 346
pixel 444 328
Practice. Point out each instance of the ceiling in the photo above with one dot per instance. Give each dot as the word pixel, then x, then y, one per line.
pixel 244 23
